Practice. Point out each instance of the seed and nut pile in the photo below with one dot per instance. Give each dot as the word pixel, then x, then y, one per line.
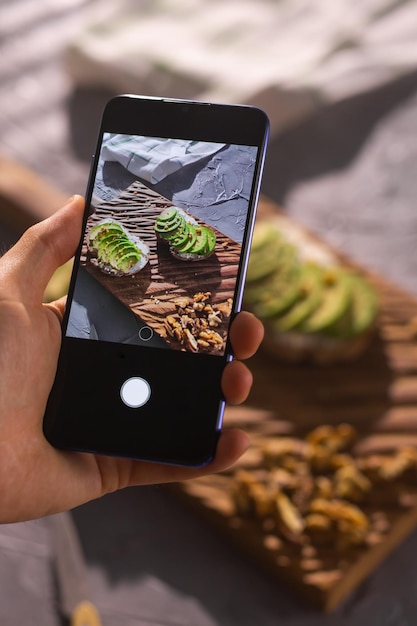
pixel 199 324
pixel 314 491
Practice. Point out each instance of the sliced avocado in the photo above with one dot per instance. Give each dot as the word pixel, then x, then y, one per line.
pixel 283 297
pixel 310 289
pixel 169 229
pixel 278 291
pixel 200 242
pixel 174 231
pixel 128 248
pixel 264 262
pixel 364 305
pixel 118 250
pixel 192 237
pixel 100 230
pixel 167 214
pixel 336 299
pixel 211 241
pixel 361 313
pixel 104 245
pixel 181 237
pixel 263 235
pixel 128 260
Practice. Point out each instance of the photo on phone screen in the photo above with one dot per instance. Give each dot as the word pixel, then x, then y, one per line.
pixel 161 249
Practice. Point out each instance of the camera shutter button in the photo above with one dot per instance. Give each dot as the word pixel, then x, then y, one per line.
pixel 135 392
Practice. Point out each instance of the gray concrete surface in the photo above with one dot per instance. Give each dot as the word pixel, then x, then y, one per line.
pixel 348 173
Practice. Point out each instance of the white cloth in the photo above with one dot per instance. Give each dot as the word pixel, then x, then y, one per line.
pixel 154 158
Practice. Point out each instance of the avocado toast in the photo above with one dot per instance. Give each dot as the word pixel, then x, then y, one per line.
pixel 313 307
pixel 187 240
pixel 114 250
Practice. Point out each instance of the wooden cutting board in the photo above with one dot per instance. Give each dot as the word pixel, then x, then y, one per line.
pixel 377 394
pixel 152 292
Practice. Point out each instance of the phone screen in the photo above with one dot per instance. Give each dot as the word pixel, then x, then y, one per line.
pixel 162 248
pixel 157 281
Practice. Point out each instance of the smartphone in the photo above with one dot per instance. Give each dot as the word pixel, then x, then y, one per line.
pixel 157 280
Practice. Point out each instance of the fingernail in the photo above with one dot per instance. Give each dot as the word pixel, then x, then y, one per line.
pixel 72 199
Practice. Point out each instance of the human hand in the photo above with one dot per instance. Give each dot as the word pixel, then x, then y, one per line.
pixel 35 478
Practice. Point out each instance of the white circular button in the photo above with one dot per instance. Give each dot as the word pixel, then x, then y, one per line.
pixel 135 392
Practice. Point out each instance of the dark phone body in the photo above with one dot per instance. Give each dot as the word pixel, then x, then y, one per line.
pixel 180 420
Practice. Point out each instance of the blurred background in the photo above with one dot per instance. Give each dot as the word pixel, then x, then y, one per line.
pixel 339 82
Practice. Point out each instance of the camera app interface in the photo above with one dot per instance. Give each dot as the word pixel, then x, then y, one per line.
pixel 162 245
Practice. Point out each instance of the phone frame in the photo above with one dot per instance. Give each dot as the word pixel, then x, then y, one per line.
pixel 182 441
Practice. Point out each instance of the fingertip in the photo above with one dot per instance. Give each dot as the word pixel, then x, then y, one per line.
pixel 236 382
pixel 232 444
pixel 246 333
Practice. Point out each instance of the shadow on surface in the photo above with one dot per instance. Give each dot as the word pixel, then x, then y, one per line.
pixel 183 572
pixel 330 139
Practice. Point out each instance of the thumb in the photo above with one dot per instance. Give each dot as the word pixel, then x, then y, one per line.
pixel 28 266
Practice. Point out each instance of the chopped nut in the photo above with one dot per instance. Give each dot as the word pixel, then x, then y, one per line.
pixel 190 341
pixel 323 487
pixel 308 490
pixel 214 319
pixel 351 523
pixel 275 449
pixel 282 479
pixel 182 303
pixel 199 317
pixel 202 297
pixel 288 515
pixel 335 438
pixel 351 484
pixel 225 308
pixel 341 460
pixel 405 459
pixel 242 492
pixel 338 510
pixel 320 458
pixel 317 522
pixel 262 501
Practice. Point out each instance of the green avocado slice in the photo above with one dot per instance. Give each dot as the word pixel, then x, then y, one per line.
pixel 106 244
pixel 118 251
pixel 361 313
pixel 364 305
pixel 181 237
pixel 200 242
pixel 278 291
pixel 169 229
pixel 174 231
pixel 268 260
pixel 336 299
pixel 280 295
pixel 211 241
pixel 128 260
pixel 309 296
pixel 167 215
pixel 103 229
pixel 264 234
pixel 192 237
